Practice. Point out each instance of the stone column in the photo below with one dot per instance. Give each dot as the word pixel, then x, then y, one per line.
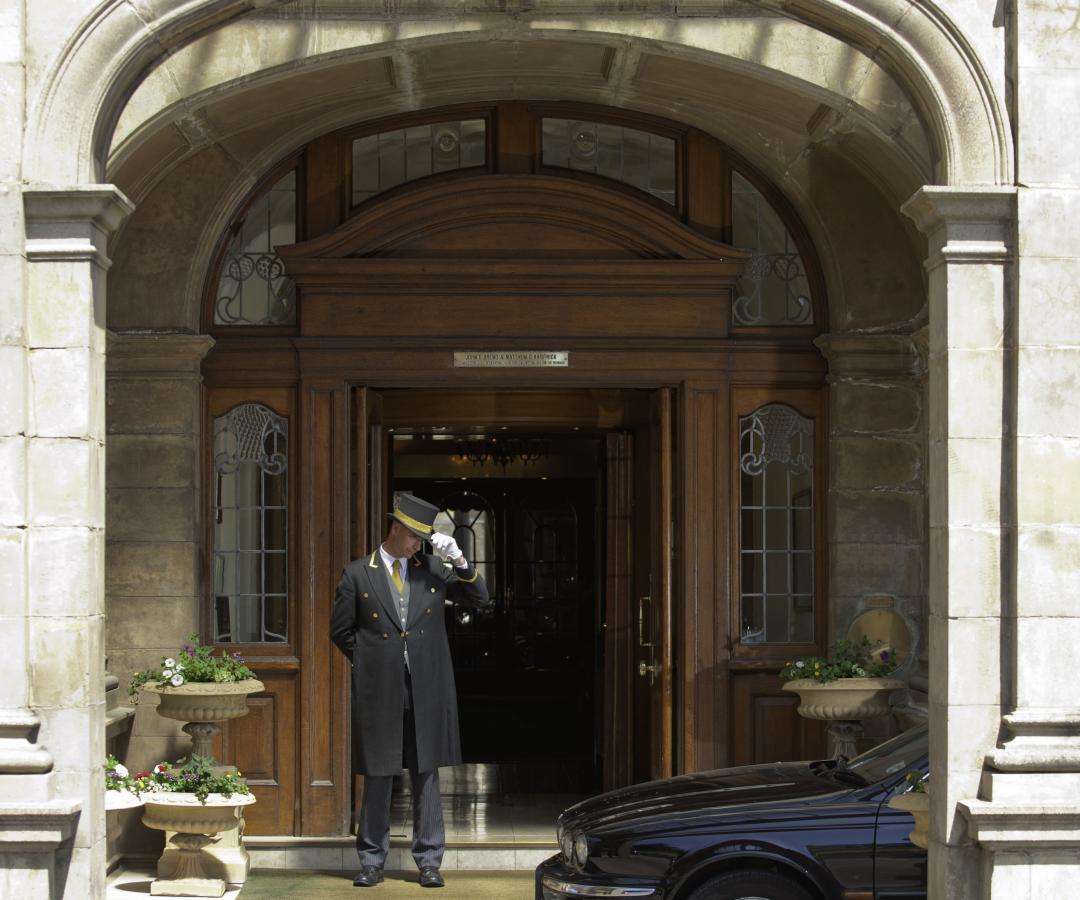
pixel 969 236
pixel 52 815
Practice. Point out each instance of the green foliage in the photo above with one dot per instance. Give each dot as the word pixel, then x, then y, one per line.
pixel 917 782
pixel 849 659
pixel 194 663
pixel 195 775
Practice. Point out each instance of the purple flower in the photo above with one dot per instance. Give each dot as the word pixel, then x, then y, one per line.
pixel 238 657
pixel 884 655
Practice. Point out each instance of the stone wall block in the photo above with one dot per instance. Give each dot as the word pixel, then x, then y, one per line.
pixel 955 871
pixel 12 300
pixel 11 116
pixel 150 568
pixel 1047 36
pixel 1044 96
pixel 12 233
pixel 67 656
pixel 64 567
pixel 13 571
pixel 13 481
pixel 149 461
pixel 1050 388
pixel 85 784
pixel 968 560
pixel 1048 479
pixel 144 406
pixel 1047 219
pixel 65 482
pixel 973 477
pixel 858 569
pixel 12 390
pixel 150 514
pixel 975 315
pixel 61 311
pixel 869 408
pixel 1049 312
pixel 1049 652
pixel 174 619
pixel 86 867
pixel 878 517
pixel 1048 570
pixel 965 661
pixel 63 393
pixel 968 413
pixel 959 751
pixel 14 685
pixel 869 463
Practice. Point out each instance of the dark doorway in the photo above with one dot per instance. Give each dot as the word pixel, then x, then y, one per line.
pixel 524 507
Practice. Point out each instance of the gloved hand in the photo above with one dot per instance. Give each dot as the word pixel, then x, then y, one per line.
pixel 445 546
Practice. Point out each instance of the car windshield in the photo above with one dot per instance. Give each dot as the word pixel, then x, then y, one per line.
pixel 895 757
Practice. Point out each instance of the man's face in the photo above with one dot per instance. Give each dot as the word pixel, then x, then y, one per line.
pixel 401 542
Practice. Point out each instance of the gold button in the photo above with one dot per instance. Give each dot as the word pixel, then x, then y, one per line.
pixel 403 634
pixel 428 610
pixel 433 590
pixel 385 636
pixel 365 595
pixel 374 615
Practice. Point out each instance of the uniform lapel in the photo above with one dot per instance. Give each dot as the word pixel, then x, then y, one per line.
pixel 380 583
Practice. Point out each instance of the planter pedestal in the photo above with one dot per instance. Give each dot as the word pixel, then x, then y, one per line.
pixel 202 706
pixel 194 825
pixel 844 703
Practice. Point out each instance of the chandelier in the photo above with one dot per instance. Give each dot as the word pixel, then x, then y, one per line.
pixel 502 451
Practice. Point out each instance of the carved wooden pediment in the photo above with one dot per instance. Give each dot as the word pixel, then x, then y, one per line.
pixel 516 253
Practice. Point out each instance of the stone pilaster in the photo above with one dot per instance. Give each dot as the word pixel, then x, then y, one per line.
pixel 970 256
pixel 154 422
pixel 877 482
pixel 52 820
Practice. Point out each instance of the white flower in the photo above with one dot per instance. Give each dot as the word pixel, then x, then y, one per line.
pixel 177 680
pixel 159 769
pixel 166 673
pixel 179 667
pixel 170 662
pixel 121 770
pixel 799 664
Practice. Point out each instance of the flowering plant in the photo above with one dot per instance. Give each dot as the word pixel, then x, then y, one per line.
pixel 195 775
pixel 195 663
pixel 849 659
pixel 916 782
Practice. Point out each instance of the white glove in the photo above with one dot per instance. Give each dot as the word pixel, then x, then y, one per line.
pixel 445 546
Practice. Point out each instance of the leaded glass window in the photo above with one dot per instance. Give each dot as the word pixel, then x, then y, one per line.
pixel 776 496
pixel 383 161
pixel 773 289
pixel 253 288
pixel 643 160
pixel 251 526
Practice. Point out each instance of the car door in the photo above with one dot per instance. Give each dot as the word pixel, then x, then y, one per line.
pixel 899 866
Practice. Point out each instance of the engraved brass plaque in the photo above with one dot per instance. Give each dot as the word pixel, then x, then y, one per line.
pixel 511 359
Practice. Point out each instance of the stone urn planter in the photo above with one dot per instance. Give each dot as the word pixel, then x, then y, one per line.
pixel 196 826
pixel 918 804
pixel 117 800
pixel 845 703
pixel 203 704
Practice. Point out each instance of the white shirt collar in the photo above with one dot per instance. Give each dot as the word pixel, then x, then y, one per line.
pixel 389 561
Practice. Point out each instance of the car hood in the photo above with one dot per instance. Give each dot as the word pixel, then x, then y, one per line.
pixel 764 789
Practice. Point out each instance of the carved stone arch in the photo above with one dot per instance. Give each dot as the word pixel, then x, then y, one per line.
pixel 114 47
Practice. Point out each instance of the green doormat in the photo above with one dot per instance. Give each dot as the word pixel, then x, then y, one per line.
pixel 300 884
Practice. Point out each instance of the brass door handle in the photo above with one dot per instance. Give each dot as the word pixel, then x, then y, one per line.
pixel 647 669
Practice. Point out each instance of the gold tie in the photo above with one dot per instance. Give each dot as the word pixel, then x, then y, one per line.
pixel 396 575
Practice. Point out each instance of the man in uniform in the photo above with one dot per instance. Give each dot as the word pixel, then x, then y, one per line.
pixel 388 619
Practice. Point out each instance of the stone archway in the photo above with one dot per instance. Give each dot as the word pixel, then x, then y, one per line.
pixel 66 232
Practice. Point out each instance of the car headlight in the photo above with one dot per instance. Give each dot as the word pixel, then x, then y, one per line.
pixel 581 850
pixel 566 844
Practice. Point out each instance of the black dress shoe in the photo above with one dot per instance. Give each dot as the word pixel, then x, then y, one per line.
pixel 430 877
pixel 369 877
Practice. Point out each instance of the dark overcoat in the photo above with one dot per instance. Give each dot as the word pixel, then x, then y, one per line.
pixel 367 628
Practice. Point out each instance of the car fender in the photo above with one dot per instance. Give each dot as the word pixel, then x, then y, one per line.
pixel 699 867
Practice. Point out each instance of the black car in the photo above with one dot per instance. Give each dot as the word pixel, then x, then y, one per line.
pixel 786 831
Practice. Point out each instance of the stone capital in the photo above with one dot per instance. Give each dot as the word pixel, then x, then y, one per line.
pixel 1022 826
pixel 36 827
pixel 72 224
pixel 871 355
pixel 1041 740
pixel 965 225
pixel 155 354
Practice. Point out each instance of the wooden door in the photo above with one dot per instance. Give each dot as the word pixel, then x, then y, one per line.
pixel 638 708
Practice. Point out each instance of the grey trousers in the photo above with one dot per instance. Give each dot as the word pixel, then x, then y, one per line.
pixel 429 835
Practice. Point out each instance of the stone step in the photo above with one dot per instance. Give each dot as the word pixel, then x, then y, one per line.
pixel 339 854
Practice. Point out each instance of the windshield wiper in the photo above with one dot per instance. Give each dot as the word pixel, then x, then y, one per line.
pixel 837 770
